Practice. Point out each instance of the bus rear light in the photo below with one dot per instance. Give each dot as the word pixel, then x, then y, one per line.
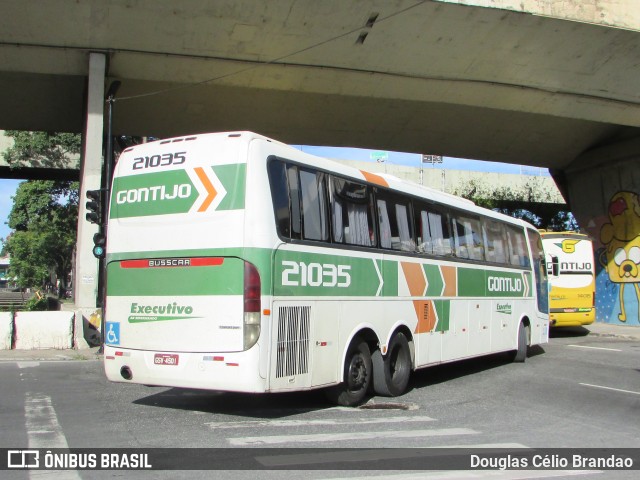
pixel 251 305
pixel 251 288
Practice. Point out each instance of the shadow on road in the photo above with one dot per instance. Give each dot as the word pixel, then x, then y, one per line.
pixel 568 332
pixel 452 371
pixel 282 405
pixel 269 405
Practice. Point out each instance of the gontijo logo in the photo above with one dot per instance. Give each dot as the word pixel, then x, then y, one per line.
pixel 568 245
pixel 170 188
pixel 192 190
pixel 152 194
pixel 504 284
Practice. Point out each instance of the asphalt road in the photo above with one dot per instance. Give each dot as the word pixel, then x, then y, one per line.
pixel 575 392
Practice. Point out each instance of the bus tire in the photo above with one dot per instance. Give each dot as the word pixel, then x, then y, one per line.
pixel 357 376
pixel 520 355
pixel 391 373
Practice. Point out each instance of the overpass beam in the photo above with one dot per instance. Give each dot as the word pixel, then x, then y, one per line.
pixel 86 265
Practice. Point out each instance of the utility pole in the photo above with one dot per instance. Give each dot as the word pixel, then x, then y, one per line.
pixel 101 237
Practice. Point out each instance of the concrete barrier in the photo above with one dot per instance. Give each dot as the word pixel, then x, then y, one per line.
pixel 35 330
pixel 6 330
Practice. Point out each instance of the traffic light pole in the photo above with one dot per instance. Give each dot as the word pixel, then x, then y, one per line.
pixel 109 161
pixel 111 98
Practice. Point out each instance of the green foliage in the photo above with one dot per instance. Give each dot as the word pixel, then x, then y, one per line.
pixel 45 212
pixel 42 149
pixel 37 304
pixel 44 218
pixel 532 203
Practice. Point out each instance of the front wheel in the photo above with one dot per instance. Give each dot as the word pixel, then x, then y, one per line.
pixel 520 355
pixel 357 376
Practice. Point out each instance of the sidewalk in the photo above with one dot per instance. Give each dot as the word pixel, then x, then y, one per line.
pixel 627 332
pixel 623 332
pixel 49 354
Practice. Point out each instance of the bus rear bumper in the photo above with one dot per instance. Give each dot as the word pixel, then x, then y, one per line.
pixel 572 319
pixel 233 372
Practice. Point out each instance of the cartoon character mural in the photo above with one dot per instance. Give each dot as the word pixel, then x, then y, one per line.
pixel 620 255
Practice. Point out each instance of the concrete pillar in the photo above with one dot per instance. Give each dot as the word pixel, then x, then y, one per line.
pixel 604 194
pixel 86 265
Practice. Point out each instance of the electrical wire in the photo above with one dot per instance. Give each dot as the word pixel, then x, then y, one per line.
pixel 268 62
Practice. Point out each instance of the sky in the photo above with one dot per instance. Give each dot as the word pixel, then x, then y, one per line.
pixel 413 159
pixel 8 187
pixel 7 190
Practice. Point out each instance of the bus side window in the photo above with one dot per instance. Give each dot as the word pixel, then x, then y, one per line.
pixel 434 236
pixel 294 199
pixel 280 197
pixel 517 247
pixel 395 224
pixel 468 237
pixel 496 248
pixel 314 209
pixel 384 224
pixel 351 213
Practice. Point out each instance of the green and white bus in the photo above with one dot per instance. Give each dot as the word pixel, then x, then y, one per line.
pixel 238 263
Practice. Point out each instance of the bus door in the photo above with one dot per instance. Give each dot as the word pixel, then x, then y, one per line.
pixel 539 267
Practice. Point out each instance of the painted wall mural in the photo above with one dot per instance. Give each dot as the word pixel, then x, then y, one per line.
pixel 618 261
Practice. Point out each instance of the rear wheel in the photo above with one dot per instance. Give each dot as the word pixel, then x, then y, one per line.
pixel 357 376
pixel 391 373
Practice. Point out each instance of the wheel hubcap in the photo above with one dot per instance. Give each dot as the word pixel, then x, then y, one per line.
pixel 357 372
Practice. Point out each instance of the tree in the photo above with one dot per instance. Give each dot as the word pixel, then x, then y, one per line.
pixel 42 149
pixel 45 212
pixel 532 204
pixel 44 218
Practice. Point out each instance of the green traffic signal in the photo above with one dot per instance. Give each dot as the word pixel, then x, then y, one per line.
pixel 99 244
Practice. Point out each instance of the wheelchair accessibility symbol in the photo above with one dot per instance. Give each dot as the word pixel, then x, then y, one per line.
pixel 113 333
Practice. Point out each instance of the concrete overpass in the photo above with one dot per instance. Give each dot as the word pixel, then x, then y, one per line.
pixel 537 82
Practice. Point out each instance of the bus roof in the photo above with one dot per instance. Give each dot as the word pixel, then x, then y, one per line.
pixel 379 179
pixel 550 235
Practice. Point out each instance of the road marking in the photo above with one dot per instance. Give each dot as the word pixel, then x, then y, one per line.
pixel 315 423
pixel 336 437
pixel 28 364
pixel 44 431
pixel 610 388
pixel 595 348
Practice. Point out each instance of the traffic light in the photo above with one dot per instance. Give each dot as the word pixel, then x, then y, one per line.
pixel 94 206
pixel 99 242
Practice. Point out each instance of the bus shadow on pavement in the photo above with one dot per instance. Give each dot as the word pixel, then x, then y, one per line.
pixel 568 332
pixel 452 371
pixel 267 405
pixel 282 405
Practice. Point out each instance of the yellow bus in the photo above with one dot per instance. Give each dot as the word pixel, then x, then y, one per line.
pixel 572 280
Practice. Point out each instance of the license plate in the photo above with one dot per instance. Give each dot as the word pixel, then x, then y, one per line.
pixel 165 359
